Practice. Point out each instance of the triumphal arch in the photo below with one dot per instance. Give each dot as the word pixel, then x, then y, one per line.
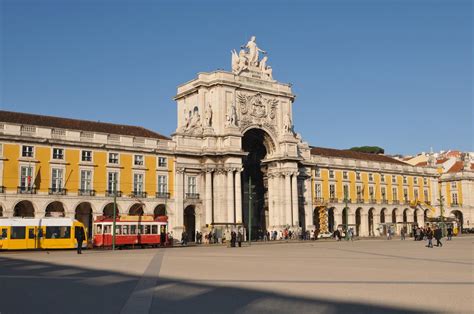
pixel 235 145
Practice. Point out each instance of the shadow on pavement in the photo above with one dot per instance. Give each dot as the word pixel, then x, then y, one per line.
pixel 39 287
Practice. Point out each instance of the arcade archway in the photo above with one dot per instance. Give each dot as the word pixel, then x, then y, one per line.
pixel 160 210
pixel 55 209
pixel 24 209
pixel 84 215
pixel 109 210
pixel 136 210
pixel 190 222
pixel 257 143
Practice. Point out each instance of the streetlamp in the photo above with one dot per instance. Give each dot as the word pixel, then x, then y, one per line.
pixel 346 201
pixel 115 215
pixel 441 213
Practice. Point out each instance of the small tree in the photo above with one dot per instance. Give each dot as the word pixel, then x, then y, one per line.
pixel 368 149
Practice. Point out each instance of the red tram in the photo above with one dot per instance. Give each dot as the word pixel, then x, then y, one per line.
pixel 131 231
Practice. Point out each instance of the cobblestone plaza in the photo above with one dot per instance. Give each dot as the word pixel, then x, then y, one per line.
pixel 318 276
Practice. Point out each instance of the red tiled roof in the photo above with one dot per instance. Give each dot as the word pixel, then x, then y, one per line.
pixel 441 161
pixel 458 166
pixel 345 153
pixel 422 164
pixel 82 125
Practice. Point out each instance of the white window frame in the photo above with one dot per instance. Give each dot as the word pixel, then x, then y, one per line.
pixel 332 175
pixel 142 160
pixel 344 188
pixel 63 153
pixel 395 193
pixel 382 178
pixel 61 185
pixel 32 151
pixel 318 190
pixel 91 180
pixel 454 198
pixel 91 155
pixel 117 183
pixel 454 185
pixel 394 179
pixel 158 162
pixel 415 180
pixel 142 190
pixel 345 175
pixel 191 188
pixel 371 177
pixel 113 163
pixel 317 173
pixel 32 179
pixel 332 191
pixel 415 194
pixel 358 176
pixel 159 190
pixel 383 193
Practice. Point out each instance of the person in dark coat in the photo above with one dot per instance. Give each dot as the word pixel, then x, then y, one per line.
pixel 239 238
pixel 438 234
pixel 429 236
pixel 450 233
pixel 233 239
pixel 80 238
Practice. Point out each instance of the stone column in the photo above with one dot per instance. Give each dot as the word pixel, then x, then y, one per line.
pixel 278 199
pixel 230 195
pixel 271 210
pixel 179 199
pixel 308 209
pixel 294 198
pixel 238 196
pixel 376 223
pixel 208 200
pixel 364 225
pixel 287 199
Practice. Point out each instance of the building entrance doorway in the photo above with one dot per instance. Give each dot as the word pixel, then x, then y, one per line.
pixel 255 142
pixel 190 222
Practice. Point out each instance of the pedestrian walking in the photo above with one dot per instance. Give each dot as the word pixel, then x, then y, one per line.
pixel 239 238
pixel 438 234
pixel 402 234
pixel 450 233
pixel 389 233
pixel 79 238
pixel 429 237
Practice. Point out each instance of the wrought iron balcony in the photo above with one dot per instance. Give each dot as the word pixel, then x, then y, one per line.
pixel 162 195
pixel 395 202
pixel 360 200
pixel 454 204
pixel 86 192
pixel 333 200
pixel 139 194
pixel 192 196
pixel 26 190
pixel 384 201
pixel 113 193
pixel 57 191
pixel 373 200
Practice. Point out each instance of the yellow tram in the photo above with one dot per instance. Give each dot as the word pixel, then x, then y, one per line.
pixel 39 233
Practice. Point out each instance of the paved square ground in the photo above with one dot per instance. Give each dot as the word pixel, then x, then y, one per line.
pixel 366 276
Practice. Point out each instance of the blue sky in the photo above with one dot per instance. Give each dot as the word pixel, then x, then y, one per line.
pixel 397 74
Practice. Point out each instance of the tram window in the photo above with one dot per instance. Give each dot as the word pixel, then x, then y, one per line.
pixel 31 233
pixel 18 233
pixel 133 229
pixel 125 229
pixel 118 230
pixel 140 229
pixel 58 232
pixel 147 229
pixel 162 229
pixel 4 234
pixel 98 229
pixel 107 229
pixel 154 229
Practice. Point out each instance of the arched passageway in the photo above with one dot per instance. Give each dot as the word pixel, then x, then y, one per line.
pixel 55 209
pixel 136 210
pixel 370 218
pixel 394 215
pixel 358 221
pixel 257 143
pixel 190 222
pixel 382 215
pixel 83 213
pixel 344 218
pixel 1 211
pixel 316 218
pixel 108 210
pixel 459 219
pixel 24 209
pixel 415 216
pixel 160 210
pixel 331 225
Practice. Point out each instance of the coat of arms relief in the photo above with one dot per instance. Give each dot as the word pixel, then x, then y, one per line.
pixel 257 110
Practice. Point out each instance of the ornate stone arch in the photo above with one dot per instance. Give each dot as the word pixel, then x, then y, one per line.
pixel 269 139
